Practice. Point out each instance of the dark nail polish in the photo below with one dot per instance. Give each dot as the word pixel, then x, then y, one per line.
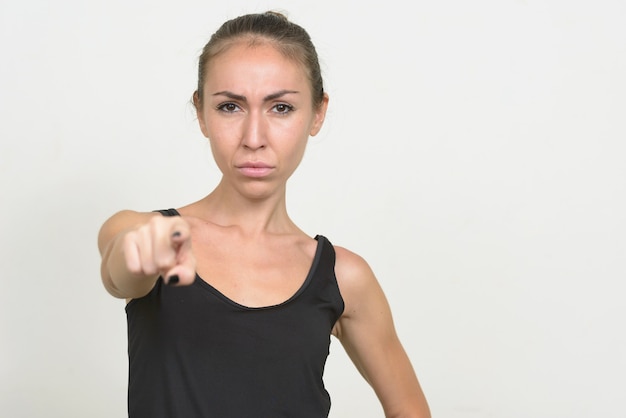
pixel 173 279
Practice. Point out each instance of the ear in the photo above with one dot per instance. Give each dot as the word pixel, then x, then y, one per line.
pixel 198 105
pixel 320 115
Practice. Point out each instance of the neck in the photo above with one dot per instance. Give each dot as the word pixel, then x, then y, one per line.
pixel 254 215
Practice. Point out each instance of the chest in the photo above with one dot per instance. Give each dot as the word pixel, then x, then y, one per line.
pixel 253 274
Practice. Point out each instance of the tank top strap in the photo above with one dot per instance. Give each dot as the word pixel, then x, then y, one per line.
pixel 168 212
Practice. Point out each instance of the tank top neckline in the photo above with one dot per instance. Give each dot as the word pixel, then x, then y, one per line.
pixel 199 281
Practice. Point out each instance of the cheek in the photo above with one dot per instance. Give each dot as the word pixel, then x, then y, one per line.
pixel 202 121
pixel 296 146
pixel 222 145
pixel 296 129
pixel 292 138
pixel 219 133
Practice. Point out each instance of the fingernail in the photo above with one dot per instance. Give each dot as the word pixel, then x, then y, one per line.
pixel 173 279
pixel 176 234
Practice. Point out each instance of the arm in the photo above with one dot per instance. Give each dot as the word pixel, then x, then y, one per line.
pixel 137 248
pixel 367 332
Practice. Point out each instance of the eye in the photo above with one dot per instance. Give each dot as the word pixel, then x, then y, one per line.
pixel 282 108
pixel 228 107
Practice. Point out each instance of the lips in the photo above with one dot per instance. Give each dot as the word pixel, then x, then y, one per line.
pixel 255 169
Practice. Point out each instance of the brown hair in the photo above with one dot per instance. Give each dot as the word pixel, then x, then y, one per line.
pixel 288 38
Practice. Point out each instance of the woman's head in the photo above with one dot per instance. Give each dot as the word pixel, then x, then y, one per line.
pixel 272 28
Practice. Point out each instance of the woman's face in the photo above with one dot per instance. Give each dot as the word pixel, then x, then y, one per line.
pixel 257 113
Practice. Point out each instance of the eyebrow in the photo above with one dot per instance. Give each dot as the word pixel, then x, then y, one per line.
pixel 267 98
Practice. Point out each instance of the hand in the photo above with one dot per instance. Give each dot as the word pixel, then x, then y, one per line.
pixel 161 246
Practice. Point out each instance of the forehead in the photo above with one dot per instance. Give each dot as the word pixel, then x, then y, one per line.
pixel 248 63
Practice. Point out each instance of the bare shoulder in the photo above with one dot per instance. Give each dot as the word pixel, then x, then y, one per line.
pixel 120 221
pixel 350 266
pixel 357 283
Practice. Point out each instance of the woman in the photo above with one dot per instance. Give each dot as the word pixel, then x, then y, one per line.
pixel 230 305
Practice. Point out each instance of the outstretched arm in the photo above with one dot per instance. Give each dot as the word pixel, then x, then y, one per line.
pixel 367 332
pixel 137 248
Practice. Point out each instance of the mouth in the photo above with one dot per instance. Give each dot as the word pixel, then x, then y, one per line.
pixel 254 169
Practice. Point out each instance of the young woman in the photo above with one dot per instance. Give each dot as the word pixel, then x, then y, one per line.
pixel 230 305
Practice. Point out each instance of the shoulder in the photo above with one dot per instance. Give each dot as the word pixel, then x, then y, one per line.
pixel 356 280
pixel 349 265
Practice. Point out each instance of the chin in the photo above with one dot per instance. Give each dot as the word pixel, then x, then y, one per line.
pixel 260 190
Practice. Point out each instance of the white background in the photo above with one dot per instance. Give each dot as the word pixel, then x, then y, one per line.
pixel 474 154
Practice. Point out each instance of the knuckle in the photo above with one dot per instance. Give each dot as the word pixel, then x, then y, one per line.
pixel 130 238
pixel 163 263
pixel 149 267
pixel 134 268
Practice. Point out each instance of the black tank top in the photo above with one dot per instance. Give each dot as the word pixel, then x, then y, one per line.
pixel 193 352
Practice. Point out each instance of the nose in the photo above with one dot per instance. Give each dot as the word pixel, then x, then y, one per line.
pixel 254 131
